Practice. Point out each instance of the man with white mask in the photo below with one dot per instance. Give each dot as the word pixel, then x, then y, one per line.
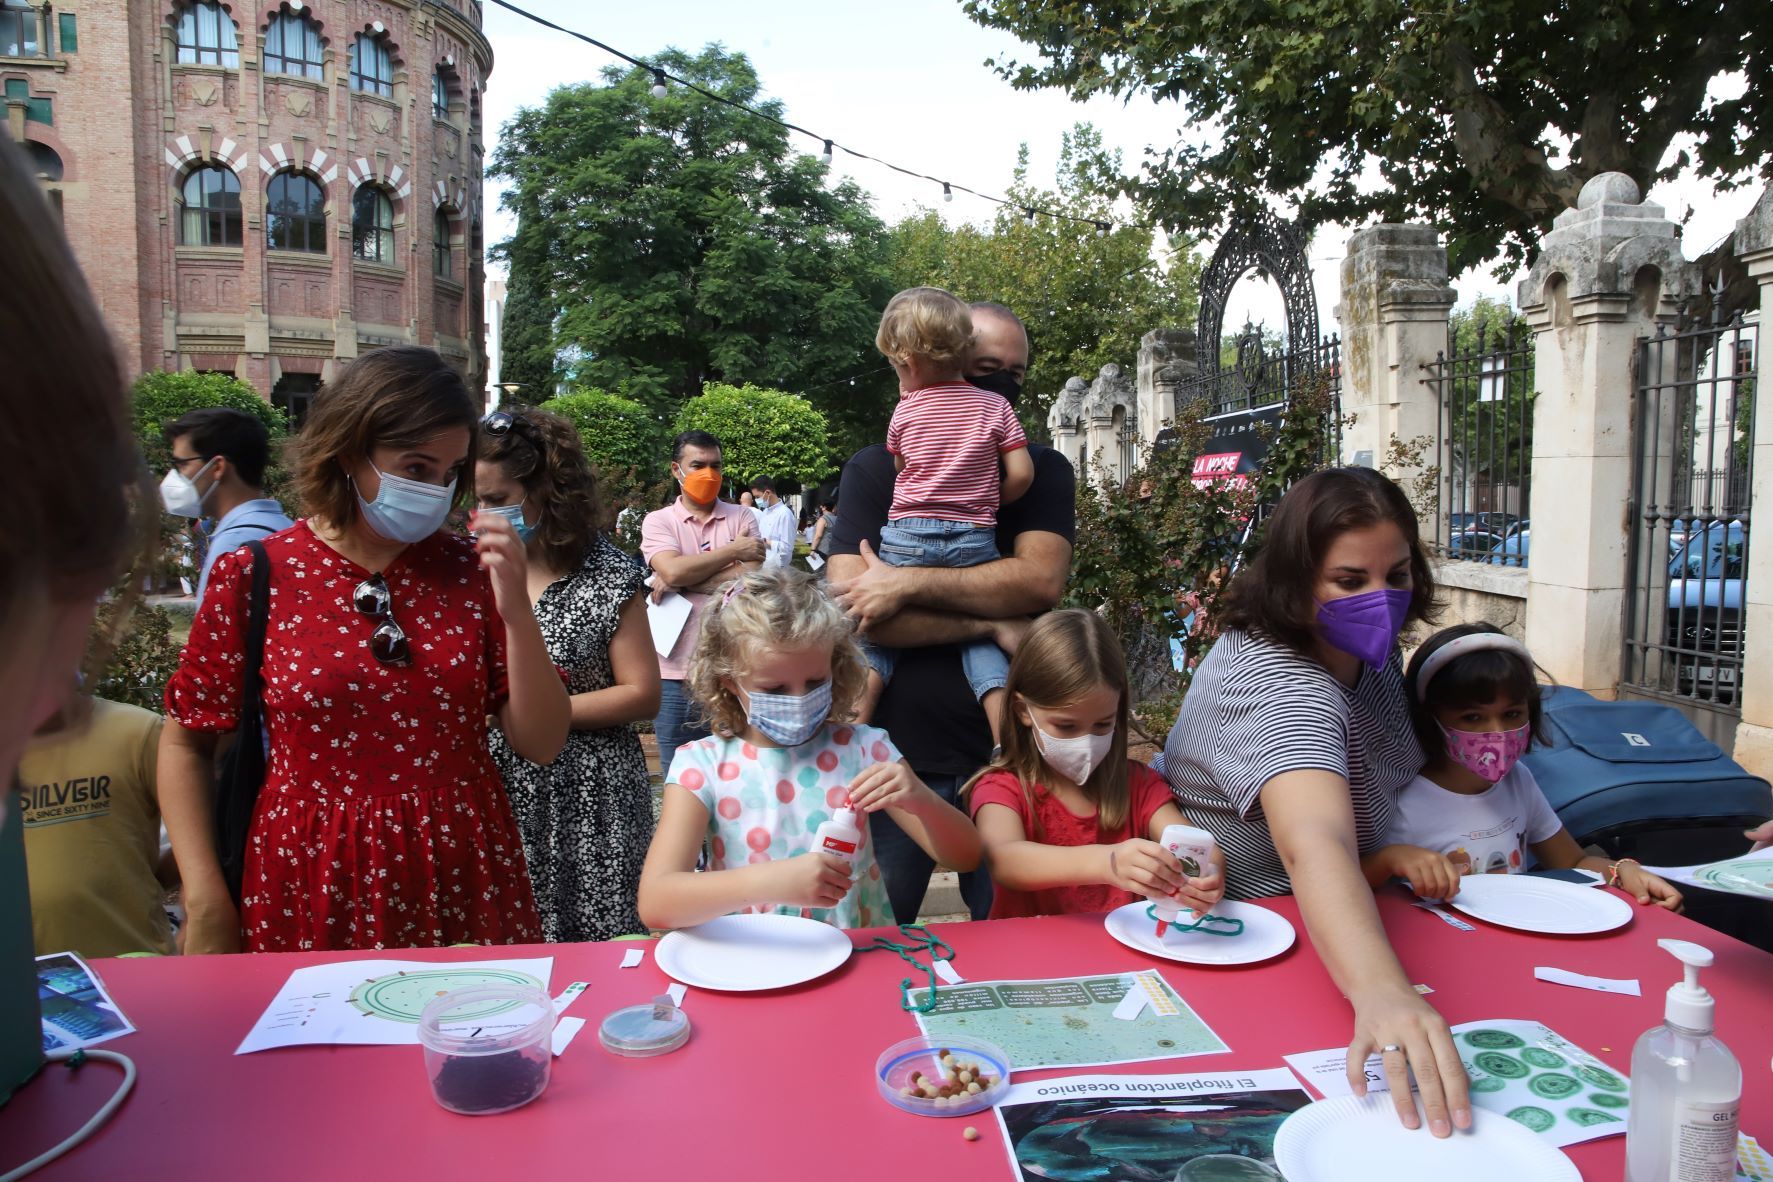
pixel 217 474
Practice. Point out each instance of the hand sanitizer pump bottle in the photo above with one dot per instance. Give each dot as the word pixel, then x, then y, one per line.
pixel 1686 1088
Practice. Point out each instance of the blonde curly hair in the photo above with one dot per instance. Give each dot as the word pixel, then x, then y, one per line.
pixel 763 610
pixel 925 322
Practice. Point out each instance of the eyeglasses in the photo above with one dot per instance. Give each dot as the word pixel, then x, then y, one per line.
pixel 387 644
pixel 178 462
pixel 499 422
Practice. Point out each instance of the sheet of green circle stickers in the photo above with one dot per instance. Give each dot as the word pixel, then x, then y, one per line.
pixel 1542 1080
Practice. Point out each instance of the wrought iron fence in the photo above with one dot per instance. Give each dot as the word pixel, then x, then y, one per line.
pixel 1482 461
pixel 1687 550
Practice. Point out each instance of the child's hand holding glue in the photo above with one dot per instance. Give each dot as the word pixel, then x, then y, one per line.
pixel 1196 854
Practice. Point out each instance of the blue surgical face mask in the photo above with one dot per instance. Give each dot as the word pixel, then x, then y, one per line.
pixel 790 719
pixel 514 514
pixel 407 510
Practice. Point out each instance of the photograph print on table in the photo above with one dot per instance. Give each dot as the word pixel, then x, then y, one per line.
pixel 1179 1128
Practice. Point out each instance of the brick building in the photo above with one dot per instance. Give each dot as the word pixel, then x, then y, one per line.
pixel 262 189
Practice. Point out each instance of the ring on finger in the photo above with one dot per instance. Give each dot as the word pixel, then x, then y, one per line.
pixel 1390 1048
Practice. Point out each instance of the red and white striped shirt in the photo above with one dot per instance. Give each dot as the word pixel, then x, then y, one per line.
pixel 950 437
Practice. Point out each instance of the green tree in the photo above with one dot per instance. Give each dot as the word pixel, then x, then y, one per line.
pixel 1086 297
pixel 761 432
pixel 680 241
pixel 1484 117
pixel 161 396
pixel 617 432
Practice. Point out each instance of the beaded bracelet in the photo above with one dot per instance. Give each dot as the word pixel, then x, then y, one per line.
pixel 1613 870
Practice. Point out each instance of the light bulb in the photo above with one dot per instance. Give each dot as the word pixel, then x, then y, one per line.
pixel 1101 229
pixel 1028 215
pixel 659 84
pixel 826 155
pixel 947 193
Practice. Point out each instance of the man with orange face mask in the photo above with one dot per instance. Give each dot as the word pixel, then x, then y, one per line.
pixel 693 545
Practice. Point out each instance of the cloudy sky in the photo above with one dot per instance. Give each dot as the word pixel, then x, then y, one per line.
pixel 906 81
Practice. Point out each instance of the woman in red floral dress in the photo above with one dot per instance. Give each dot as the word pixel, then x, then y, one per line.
pixel 383 822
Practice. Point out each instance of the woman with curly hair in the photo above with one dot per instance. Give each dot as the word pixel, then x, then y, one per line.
pixel 779 674
pixel 586 817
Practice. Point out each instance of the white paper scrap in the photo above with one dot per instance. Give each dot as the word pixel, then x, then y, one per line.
pixel 816 561
pixel 564 1030
pixel 677 991
pixel 666 619
pixel 632 957
pixel 945 970
pixel 1133 1004
pixel 568 994
pixel 1327 1072
pixel 1580 981
pixel 1446 917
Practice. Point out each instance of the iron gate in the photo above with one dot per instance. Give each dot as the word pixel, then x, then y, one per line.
pixel 1687 547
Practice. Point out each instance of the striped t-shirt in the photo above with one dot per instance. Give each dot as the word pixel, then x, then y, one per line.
pixel 1257 709
pixel 950 437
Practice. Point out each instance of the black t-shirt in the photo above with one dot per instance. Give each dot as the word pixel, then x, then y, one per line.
pixel 928 708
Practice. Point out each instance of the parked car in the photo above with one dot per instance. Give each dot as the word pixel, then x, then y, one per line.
pixel 1513 550
pixel 1475 543
pixel 1704 615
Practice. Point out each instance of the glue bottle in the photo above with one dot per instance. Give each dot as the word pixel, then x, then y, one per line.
pixel 1199 854
pixel 840 836
pixel 1686 1088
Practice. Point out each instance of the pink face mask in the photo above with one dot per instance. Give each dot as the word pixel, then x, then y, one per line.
pixel 1489 754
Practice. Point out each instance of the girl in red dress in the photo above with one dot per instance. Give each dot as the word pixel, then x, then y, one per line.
pixel 382 822
pixel 1070 824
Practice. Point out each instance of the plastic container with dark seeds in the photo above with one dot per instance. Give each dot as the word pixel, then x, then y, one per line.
pixel 487 1047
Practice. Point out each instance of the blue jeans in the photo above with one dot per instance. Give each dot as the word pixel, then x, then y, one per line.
pixel 906 867
pixel 931 541
pixel 679 721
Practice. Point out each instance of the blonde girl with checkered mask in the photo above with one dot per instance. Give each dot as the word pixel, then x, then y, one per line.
pixel 778 674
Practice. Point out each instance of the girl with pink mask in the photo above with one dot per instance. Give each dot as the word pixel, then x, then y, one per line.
pixel 1476 809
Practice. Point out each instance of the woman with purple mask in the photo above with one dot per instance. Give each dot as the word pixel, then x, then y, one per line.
pixel 1295 739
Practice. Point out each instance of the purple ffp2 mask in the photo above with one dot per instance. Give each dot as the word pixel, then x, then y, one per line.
pixel 1365 625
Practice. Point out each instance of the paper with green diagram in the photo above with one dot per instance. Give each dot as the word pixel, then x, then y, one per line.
pixel 1072 1021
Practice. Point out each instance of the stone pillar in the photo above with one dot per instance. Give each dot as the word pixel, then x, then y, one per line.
pixel 1064 424
pixel 1608 272
pixel 1393 313
pixel 1754 735
pixel 1166 361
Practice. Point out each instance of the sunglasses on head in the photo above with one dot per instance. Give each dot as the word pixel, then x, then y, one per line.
pixel 387 644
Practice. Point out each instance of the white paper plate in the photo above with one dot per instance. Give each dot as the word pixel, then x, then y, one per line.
pixel 1540 904
pixel 742 953
pixel 1265 935
pixel 1360 1137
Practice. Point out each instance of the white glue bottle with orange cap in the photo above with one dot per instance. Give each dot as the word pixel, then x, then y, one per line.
pixel 1198 852
pixel 840 836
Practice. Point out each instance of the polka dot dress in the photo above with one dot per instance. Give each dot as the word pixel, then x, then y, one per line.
pixel 765 803
pixel 382 823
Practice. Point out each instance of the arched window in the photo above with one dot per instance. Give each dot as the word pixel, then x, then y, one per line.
pixel 295 213
pixel 440 245
pixel 212 208
pixel 372 226
pixel 206 36
pixel 372 71
pixel 439 94
pixel 46 162
pixel 292 46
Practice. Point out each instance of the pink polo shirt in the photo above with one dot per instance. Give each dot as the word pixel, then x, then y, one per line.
pixel 676 530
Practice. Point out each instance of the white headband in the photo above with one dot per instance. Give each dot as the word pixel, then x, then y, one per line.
pixel 1476 642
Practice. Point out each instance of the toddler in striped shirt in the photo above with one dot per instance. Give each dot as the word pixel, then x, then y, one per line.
pixel 947 438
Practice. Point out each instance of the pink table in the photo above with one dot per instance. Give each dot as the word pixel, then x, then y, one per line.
pixel 778 1085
